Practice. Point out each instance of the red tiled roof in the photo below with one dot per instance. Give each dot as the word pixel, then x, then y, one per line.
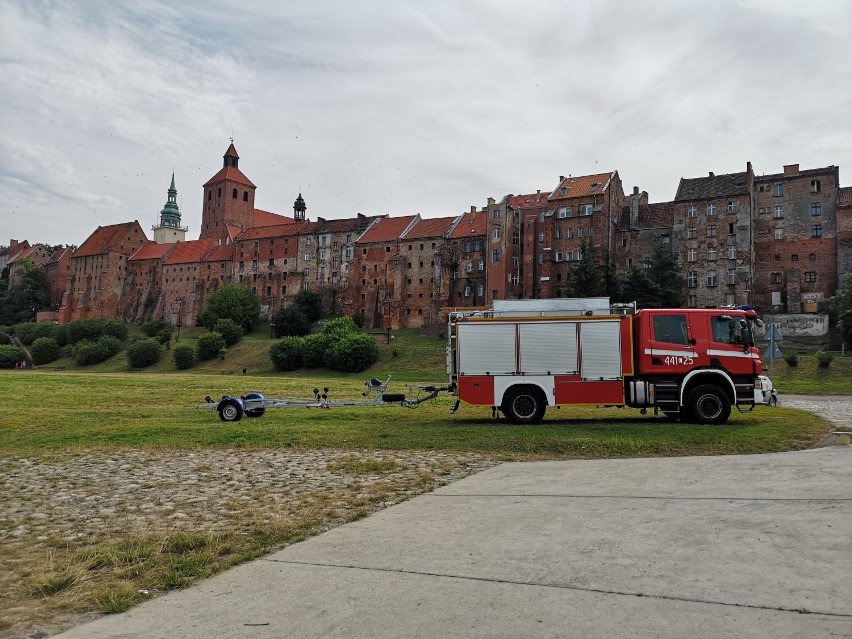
pixel 188 252
pixel 27 254
pixel 265 218
pixel 277 230
pixel 530 201
pixel 12 251
pixel 712 186
pixel 231 173
pixel 220 253
pixel 58 254
pixel 150 251
pixel 233 231
pixel 231 152
pixel 104 239
pixel 581 186
pixel 386 229
pixel 430 227
pixel 472 223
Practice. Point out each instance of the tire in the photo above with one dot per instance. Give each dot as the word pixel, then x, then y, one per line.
pixel 773 400
pixel 230 411
pixel 255 412
pixel 393 397
pixel 524 405
pixel 708 404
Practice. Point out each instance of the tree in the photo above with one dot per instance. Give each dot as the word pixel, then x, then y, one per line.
pixel 11 356
pixel 44 350
pixel 210 345
pixel 841 307
pixel 286 354
pixel 309 303
pixel 638 287
pixel 586 279
pixel 666 275
pixel 20 302
pixel 234 302
pixel 230 331
pixel 290 320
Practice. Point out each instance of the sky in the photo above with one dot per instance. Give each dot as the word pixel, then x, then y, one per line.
pixel 399 107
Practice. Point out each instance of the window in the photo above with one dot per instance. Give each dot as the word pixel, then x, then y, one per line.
pixel 664 238
pixel 306 286
pixel 775 278
pixel 711 252
pixel 559 235
pixel 691 254
pixel 467 246
pixel 541 258
pixel 816 208
pixel 496 234
pixel 623 241
pixel 732 206
pixel 570 233
pixel 496 214
pixel 692 300
pixel 584 209
pixel 711 210
pixel 732 276
pixel 307 257
pixel 814 186
pixel 691 233
pixel 306 272
pixel 732 252
pixel 309 240
pixel 579 232
pixel 242 265
pixel 480 290
pixel 470 267
pixel 558 256
pixel 726 331
pixel 778 190
pixel 541 237
pixel 563 212
pixel 779 212
pixel 335 247
pixel 481 265
pixel 563 190
pixel 816 230
pixel 779 234
pixel 476 245
pixel 732 229
pixel 322 254
pixel 731 299
pixel 692 211
pixel 777 257
pixel 711 231
pixel 711 279
pixel 569 256
pixel 541 216
pixel 810 276
pixel 646 263
pixel 811 257
pixel 335 262
pixel 467 291
pixel 794 257
pixel 245 196
pixel 495 256
pixel 234 194
pixel 670 329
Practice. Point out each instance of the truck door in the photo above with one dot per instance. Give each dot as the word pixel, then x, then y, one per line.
pixel 729 346
pixel 671 345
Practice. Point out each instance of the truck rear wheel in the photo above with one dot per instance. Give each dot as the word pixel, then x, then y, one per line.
pixel 524 405
pixel 708 404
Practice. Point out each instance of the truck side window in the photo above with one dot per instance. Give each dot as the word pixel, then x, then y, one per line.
pixel 726 331
pixel 671 329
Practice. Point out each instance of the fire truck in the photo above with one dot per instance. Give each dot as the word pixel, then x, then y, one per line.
pixel 522 356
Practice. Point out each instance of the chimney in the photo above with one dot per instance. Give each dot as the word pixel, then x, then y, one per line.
pixel 537 195
pixel 561 179
pixel 320 220
pixel 634 208
pixel 712 174
pixel 473 209
pixel 13 243
pixel 490 201
pixel 635 190
pixel 791 169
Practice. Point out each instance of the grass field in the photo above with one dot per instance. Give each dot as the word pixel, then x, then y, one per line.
pixel 68 427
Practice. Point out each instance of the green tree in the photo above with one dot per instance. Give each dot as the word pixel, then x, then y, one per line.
pixel 286 354
pixel 290 321
pixel 234 302
pixel 638 287
pixel 44 350
pixel 230 331
pixel 209 346
pixel 10 356
pixel 841 307
pixel 587 278
pixel 19 303
pixel 666 275
pixel 309 303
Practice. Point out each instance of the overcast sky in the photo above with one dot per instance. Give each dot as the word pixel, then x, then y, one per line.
pixel 402 107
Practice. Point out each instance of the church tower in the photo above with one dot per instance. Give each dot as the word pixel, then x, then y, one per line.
pixel 169 230
pixel 299 209
pixel 228 200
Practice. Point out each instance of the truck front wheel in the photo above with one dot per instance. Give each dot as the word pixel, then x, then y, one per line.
pixel 523 405
pixel 708 404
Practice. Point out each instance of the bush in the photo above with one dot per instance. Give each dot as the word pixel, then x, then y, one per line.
pixel 209 345
pixel 314 348
pixel 340 325
pixel 115 328
pixel 87 352
pixel 792 360
pixel 183 356
pixel 158 328
pixel 44 350
pixel 823 359
pixel 353 353
pixel 230 331
pixel 235 302
pixel 144 352
pixel 290 321
pixel 10 356
pixel 26 332
pixel 286 354
pixel 309 303
pixel 91 329
pixel 4 337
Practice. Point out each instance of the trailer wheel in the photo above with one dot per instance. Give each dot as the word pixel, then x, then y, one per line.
pixel 709 405
pixel 523 405
pixel 255 412
pixel 230 411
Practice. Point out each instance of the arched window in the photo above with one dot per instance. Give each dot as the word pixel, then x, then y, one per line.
pixel 234 194
pixel 209 195
pixel 219 192
pixel 245 196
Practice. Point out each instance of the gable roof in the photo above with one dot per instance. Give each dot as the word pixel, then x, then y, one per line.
pixel 387 229
pixel 582 186
pixel 341 225
pixel 430 227
pixel 529 201
pixel 150 251
pixel 712 186
pixel 58 254
pixel 188 252
pixel 265 218
pixel 105 238
pixel 471 223
pixel 29 253
pixel 276 230
pixel 232 174
pixel 220 253
pixel 651 216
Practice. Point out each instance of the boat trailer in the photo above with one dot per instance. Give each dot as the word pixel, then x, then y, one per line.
pixel 254 404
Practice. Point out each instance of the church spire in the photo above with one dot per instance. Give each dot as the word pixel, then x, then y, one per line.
pixel 299 209
pixel 231 157
pixel 170 215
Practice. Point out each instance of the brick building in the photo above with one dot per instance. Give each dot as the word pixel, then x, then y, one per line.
pixel 141 298
pixel 641 226
pixel 57 268
pixel 37 254
pixel 844 233
pixel 468 255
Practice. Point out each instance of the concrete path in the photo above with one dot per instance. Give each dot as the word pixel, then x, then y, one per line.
pixel 737 546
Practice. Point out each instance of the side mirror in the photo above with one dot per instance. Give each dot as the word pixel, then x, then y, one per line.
pixel 759 323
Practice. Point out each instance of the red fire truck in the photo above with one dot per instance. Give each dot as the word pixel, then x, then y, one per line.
pixel 522 356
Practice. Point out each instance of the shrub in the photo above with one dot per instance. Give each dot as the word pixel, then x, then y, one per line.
pixel 337 325
pixel 144 352
pixel 309 303
pixel 183 356
pixel 28 332
pixel 87 352
pixel 236 302
pixel 158 328
pixel 289 321
pixel 792 360
pixel 353 353
pixel 230 331
pixel 286 354
pixel 4 338
pixel 11 355
pixel 314 348
pixel 115 328
pixel 44 350
pixel 209 345
pixel 91 329
pixel 823 359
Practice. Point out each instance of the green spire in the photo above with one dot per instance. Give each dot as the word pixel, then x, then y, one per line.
pixel 170 215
